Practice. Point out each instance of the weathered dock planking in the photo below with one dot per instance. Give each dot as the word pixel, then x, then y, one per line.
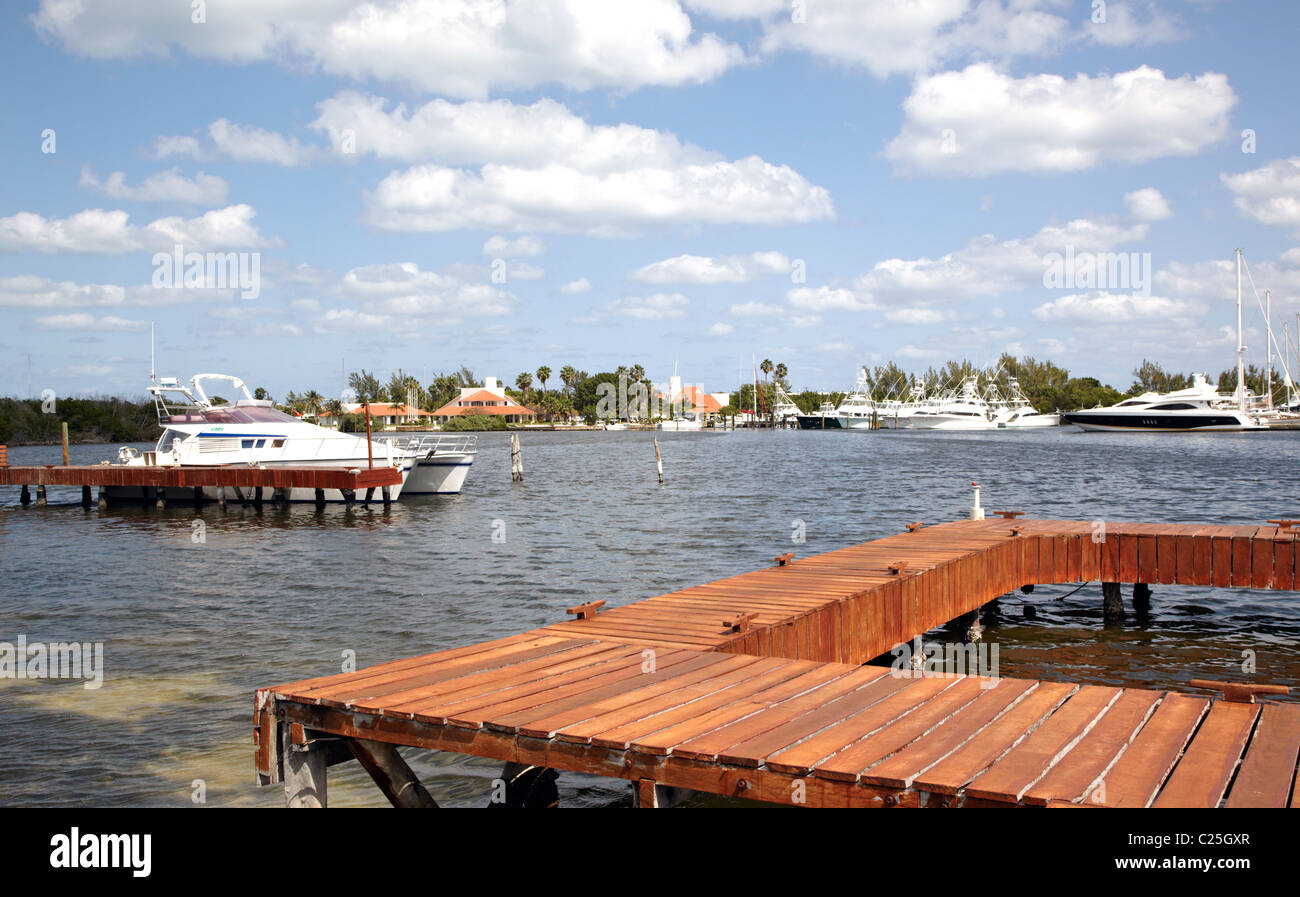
pixel 753 686
pixel 164 477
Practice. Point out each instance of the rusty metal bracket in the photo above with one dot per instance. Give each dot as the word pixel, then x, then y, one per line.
pixel 914 526
pixel 739 622
pixel 784 560
pixel 1009 515
pixel 897 567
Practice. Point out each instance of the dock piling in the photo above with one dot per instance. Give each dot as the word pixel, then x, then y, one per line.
pixel 516 460
pixel 85 496
pixel 26 496
pixel 64 427
pixel 1112 602
pixel 40 496
pixel 221 497
pixel 320 499
pixel 304 772
pixel 391 773
pixel 1141 599
pixel 659 462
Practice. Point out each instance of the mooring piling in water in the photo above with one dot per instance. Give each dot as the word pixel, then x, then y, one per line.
pixel 516 460
pixel 754 686
pixel 659 462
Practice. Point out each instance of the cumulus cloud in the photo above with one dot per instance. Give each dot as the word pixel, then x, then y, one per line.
pixel 720 329
pixel 823 298
pixel 980 121
pixel 83 321
pixel 502 247
pixel 164 186
pixel 1270 195
pixel 460 48
pixel 30 291
pixel 706 269
pixel 111 232
pixel 403 290
pixel 238 143
pixel 656 307
pixel 1110 308
pixel 1147 204
pixel 574 287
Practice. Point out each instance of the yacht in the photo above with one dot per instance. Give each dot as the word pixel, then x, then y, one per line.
pixel 1016 412
pixel 1199 407
pixel 682 423
pixel 442 462
pixel 965 410
pixel 199 431
pixel 824 418
pixel 785 412
pixel 857 410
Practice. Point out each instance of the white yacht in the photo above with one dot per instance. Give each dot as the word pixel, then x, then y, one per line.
pixel 785 412
pixel 682 423
pixel 857 410
pixel 1016 412
pixel 965 410
pixel 1199 407
pixel 442 461
pixel 248 432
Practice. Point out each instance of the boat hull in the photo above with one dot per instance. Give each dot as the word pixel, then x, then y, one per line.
pixel 818 422
pixel 1206 422
pixel 440 475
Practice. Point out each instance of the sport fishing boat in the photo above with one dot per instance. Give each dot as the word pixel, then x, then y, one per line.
pixel 205 432
pixel 857 410
pixel 825 418
pixel 966 410
pixel 1199 407
pixel 1016 411
pixel 442 461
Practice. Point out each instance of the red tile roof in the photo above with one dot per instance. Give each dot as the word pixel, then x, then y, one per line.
pixel 492 404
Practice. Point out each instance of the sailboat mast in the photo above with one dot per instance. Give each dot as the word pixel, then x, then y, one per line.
pixel 1241 346
pixel 1268 368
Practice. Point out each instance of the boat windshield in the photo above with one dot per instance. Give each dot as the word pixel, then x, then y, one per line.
pixel 230 414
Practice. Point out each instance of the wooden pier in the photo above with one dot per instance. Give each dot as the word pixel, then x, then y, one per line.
pixel 754 686
pixel 153 480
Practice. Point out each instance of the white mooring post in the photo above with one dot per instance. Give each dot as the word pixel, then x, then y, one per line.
pixel 516 460
pixel 976 512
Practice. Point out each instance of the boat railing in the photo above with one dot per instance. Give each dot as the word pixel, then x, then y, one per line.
pixel 429 444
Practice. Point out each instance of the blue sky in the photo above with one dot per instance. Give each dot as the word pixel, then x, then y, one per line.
pixel 826 184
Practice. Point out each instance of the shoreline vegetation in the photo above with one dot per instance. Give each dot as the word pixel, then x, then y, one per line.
pixel 1049 387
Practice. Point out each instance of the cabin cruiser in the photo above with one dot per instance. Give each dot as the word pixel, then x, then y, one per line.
pixel 1200 407
pixel 682 423
pixel 205 432
pixel 785 412
pixel 442 461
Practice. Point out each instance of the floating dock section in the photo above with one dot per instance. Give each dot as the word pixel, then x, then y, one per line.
pixel 754 686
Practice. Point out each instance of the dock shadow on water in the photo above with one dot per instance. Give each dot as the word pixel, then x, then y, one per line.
pixel 197 609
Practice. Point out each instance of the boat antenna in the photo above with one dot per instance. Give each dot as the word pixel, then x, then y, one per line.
pixel 1241 346
pixel 153 374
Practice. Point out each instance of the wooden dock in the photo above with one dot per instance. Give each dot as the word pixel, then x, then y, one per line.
pixel 154 480
pixel 753 686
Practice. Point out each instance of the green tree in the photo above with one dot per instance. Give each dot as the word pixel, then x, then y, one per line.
pixel 543 374
pixel 523 383
pixel 365 385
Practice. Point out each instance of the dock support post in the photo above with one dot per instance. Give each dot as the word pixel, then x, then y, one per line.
pixel 349 496
pixel 304 771
pixel 1141 599
pixel 320 499
pixel 257 498
pixel 40 496
pixel 160 497
pixel 198 496
pixel 400 785
pixel 648 794
pixel 221 497
pixel 527 787
pixel 370 493
pixel 388 497
pixel 239 494
pixel 103 498
pixel 85 496
pixel 26 497
pixel 1112 602
pixel 516 460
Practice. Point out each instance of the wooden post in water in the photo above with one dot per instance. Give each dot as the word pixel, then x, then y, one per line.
pixel 516 460
pixel 40 496
pixel 1112 602
pixel 320 499
pixel 65 443
pixel 370 446
pixel 26 496
pixel 1142 599
pixel 102 501
pixel 85 496
pixel 221 497
pixel 659 462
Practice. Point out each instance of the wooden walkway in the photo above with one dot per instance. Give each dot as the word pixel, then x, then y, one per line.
pixel 752 686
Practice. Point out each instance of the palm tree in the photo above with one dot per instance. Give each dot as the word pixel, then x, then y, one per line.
pixel 781 372
pixel 766 367
pixel 543 374
pixel 312 403
pixel 637 373
pixel 524 382
pixel 567 376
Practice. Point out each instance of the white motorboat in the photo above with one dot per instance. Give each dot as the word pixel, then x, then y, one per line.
pixel 1199 407
pixel 682 423
pixel 442 461
pixel 857 410
pixel 785 412
pixel 1016 411
pixel 825 418
pixel 965 410
pixel 198 431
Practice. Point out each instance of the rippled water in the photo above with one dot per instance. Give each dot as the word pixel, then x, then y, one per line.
pixel 191 629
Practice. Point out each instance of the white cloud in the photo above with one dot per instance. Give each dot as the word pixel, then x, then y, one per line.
pixel 462 48
pixel 980 121
pixel 1111 308
pixel 238 143
pixel 557 198
pixel 574 287
pixel 165 186
pixel 403 290
pixel 705 269
pixel 29 291
pixel 656 307
pixel 82 321
pixel 820 299
pixel 720 329
pixel 502 247
pixel 110 232
pixel 1270 195
pixel 1147 204
pixel 915 316
pixel 1135 23
pixel 755 309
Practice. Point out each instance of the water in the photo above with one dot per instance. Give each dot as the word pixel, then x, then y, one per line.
pixel 192 628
